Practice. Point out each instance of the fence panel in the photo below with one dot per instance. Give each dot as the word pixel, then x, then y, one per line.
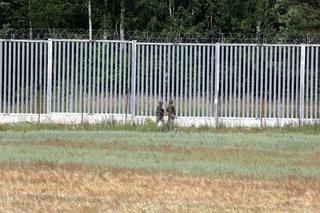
pixel 182 73
pixel 311 83
pixel 95 77
pixel 91 77
pixel 23 69
pixel 259 81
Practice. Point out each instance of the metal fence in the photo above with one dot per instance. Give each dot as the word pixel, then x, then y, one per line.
pixel 126 77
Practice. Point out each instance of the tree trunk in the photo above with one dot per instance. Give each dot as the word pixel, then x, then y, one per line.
pixel 90 19
pixel 30 21
pixel 122 12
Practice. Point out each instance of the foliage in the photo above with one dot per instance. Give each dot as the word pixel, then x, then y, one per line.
pixel 170 17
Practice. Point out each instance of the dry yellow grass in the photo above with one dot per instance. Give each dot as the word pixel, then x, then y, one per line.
pixel 72 188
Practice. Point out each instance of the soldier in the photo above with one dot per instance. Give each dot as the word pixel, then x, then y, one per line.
pixel 171 111
pixel 160 113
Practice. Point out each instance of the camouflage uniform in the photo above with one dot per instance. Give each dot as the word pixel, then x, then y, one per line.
pixel 171 111
pixel 160 112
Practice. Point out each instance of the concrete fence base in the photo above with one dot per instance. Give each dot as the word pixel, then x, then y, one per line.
pixel 78 118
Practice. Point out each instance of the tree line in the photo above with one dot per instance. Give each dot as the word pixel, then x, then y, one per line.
pixel 164 17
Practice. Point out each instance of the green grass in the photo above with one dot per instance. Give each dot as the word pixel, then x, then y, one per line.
pixel 245 153
pixel 151 127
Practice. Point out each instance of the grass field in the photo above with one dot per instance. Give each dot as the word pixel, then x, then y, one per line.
pixel 107 170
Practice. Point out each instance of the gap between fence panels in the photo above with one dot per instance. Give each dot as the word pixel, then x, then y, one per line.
pixel 127 77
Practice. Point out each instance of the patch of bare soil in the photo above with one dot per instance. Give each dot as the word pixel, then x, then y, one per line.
pixel 48 188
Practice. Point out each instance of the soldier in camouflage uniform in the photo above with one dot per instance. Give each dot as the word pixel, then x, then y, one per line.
pixel 171 111
pixel 160 113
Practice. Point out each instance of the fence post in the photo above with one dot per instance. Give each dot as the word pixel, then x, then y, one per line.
pixel 302 73
pixel 217 76
pixel 49 78
pixel 133 79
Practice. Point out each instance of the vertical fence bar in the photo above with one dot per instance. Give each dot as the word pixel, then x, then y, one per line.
pixel 168 80
pixel 63 76
pixel 239 82
pixel 49 77
pixel 142 80
pixel 199 74
pixel 1 71
pixel 270 83
pixel 298 63
pixel 288 82
pixel 139 79
pixel 307 70
pixel 257 79
pixel 81 79
pixel 226 83
pixel 207 84
pixel 124 87
pixel 14 77
pixel 222 83
pixel 27 78
pixel 217 73
pixel 107 109
pixel 203 77
pixel 177 79
pixel 283 81
pixel 151 94
pixel 5 89
pixel 235 82
pixel 147 82
pixel 68 77
pixel 186 78
pixel 45 70
pixel 164 74
pixel 266 82
pixel 181 80
pixel 133 79
pixel 36 81
pixel 18 78
pixel 22 79
pixel 261 82
pixel 116 62
pixel 111 110
pixel 174 76
pixel 248 83
pixel 302 73
pixel 119 82
pixel 32 83
pixel 71 107
pixel 316 80
pixel 311 82
pixel 192 98
pixel 98 97
pixel 230 81
pixel 55 58
pixel 155 78
pixel 292 81
pixel 9 78
pixel 102 89
pixel 252 80
pixel 76 84
pixel 275 83
pixel 160 74
pixel 212 80
pixel 279 81
pixel 244 81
